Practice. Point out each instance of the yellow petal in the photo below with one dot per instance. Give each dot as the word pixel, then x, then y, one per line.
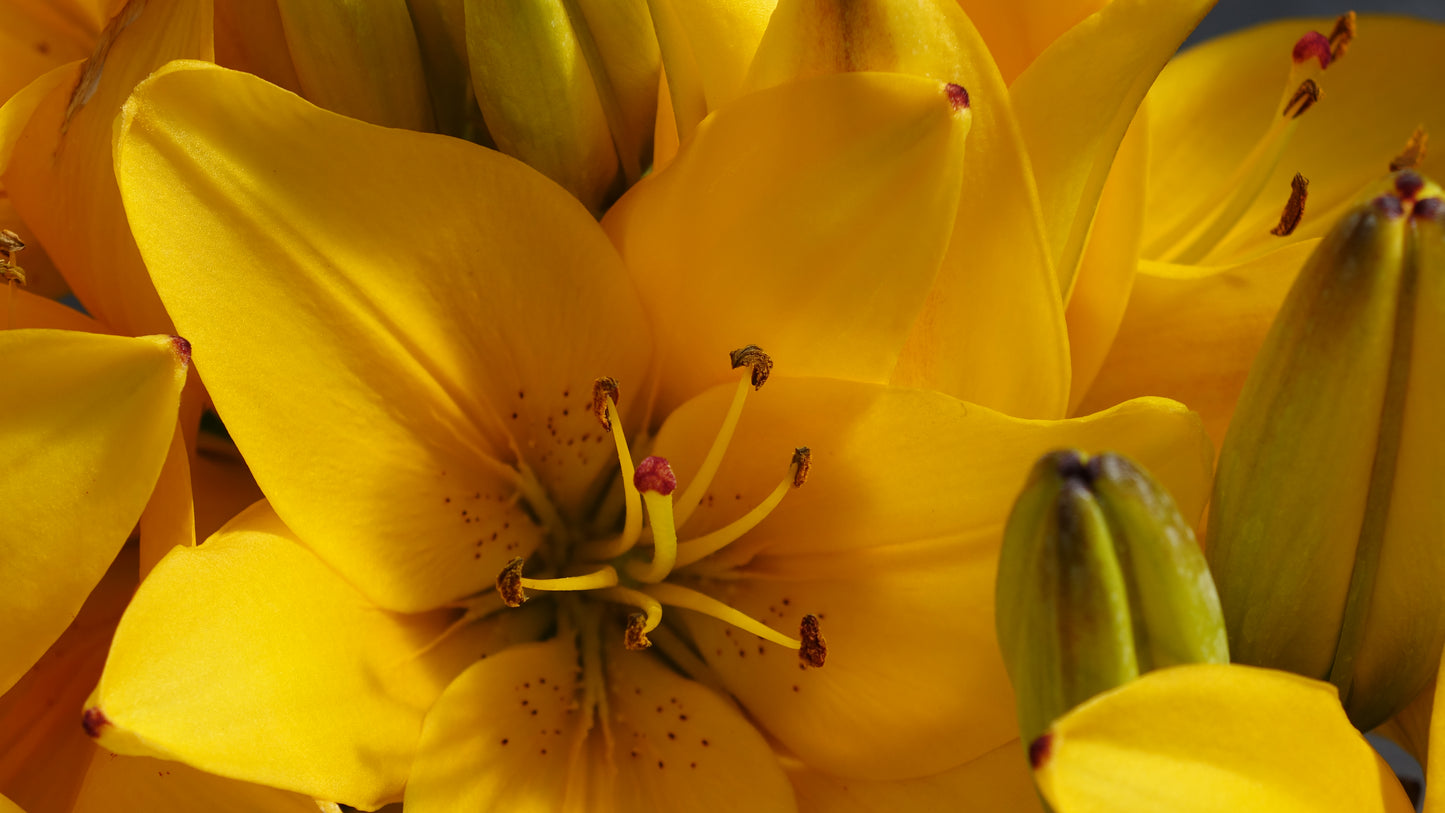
pixel 35 38
pixel 169 518
pixel 248 657
pixel 1107 268
pixel 1410 727
pixel 538 94
pixel 706 50
pixel 728 246
pixel 991 330
pixel 1210 738
pixel 60 175
pixel 1092 78
pixel 44 754
pixel 1431 710
pixel 999 780
pixel 1018 32
pixel 251 38
pixel 342 264
pixel 1192 333
pixel 116 784
pixel 907 465
pixel 507 735
pixel 221 484
pixel 627 67
pixel 359 58
pixel 1214 101
pixel 22 309
pixel 87 423
pixel 7 806
pixel 441 32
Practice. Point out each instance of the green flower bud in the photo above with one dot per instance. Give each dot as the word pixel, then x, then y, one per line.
pixel 1327 525
pixel 1099 580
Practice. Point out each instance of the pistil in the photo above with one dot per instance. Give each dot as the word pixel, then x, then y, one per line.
pixel 656 482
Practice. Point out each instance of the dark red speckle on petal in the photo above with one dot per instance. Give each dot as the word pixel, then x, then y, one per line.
pixel 957 96
pixel 655 474
pixel 93 720
pixel 1040 750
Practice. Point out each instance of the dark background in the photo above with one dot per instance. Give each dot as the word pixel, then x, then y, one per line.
pixel 1229 15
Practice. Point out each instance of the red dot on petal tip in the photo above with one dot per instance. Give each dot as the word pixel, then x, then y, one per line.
pixel 1432 208
pixel 655 474
pixel 182 348
pixel 93 720
pixel 1040 750
pixel 1389 205
pixel 1314 44
pixel 957 96
pixel 1409 184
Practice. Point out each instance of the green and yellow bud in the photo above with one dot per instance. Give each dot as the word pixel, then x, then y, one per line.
pixel 1327 525
pixel 1100 579
pixel 570 87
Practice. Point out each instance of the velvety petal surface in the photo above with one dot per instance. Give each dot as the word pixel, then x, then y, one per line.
pixel 426 316
pixel 1215 101
pixel 88 421
pixel 1209 738
pixel 1075 101
pixel 808 219
pixel 116 784
pixel 991 330
pixel 893 543
pixel 35 38
pixel 1018 32
pixel 1191 333
pixel 60 176
pixel 706 50
pixel 248 657
pixel 999 780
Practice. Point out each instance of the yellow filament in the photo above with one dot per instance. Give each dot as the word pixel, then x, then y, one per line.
pixel 692 495
pixel 604 576
pixel 632 526
pixel 694 549
pixel 650 607
pixel 664 540
pixel 674 595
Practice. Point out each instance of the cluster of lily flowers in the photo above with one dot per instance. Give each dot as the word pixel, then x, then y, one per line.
pixel 716 405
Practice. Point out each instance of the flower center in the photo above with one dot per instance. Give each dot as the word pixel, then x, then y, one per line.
pixel 1201 229
pixel 631 569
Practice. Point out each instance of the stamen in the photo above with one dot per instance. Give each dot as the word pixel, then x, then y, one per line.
pixel 1303 99
pixel 654 478
pixel 10 245
pixel 761 365
pixel 1294 208
pixel 674 595
pixel 510 582
pixel 1342 35
pixel 694 550
pixel 638 624
pixel 1414 151
pixel 814 650
pixel 605 393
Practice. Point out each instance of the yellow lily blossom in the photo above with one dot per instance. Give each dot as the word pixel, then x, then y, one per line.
pixel 1192 325
pixel 459 393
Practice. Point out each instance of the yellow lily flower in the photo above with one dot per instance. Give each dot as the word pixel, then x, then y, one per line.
pixel 460 375
pixel 1193 324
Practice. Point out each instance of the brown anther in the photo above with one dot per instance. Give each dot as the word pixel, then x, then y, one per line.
pixel 635 638
pixel 655 474
pixel 814 650
pixel 1342 35
pixel 1414 151
pixel 12 273
pixel 603 389
pixel 10 245
pixel 1303 99
pixel 509 584
pixel 803 460
pixel 754 357
pixel 1294 208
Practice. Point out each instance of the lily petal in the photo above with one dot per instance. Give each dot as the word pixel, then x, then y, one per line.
pixel 752 261
pixel 251 38
pixel 1018 32
pixel 998 780
pixel 706 50
pixel 1432 710
pixel 23 309
pixel 991 330
pixel 1214 101
pixel 60 176
pixel 169 518
pixel 7 806
pixel 909 465
pixel 87 423
pixel 359 59
pixel 410 290
pixel 1093 77
pixel 252 620
pixel 35 38
pixel 142 785
pixel 1213 737
pixel 1192 333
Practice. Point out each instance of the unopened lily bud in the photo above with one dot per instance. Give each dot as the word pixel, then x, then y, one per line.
pixel 1327 525
pixel 1100 579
